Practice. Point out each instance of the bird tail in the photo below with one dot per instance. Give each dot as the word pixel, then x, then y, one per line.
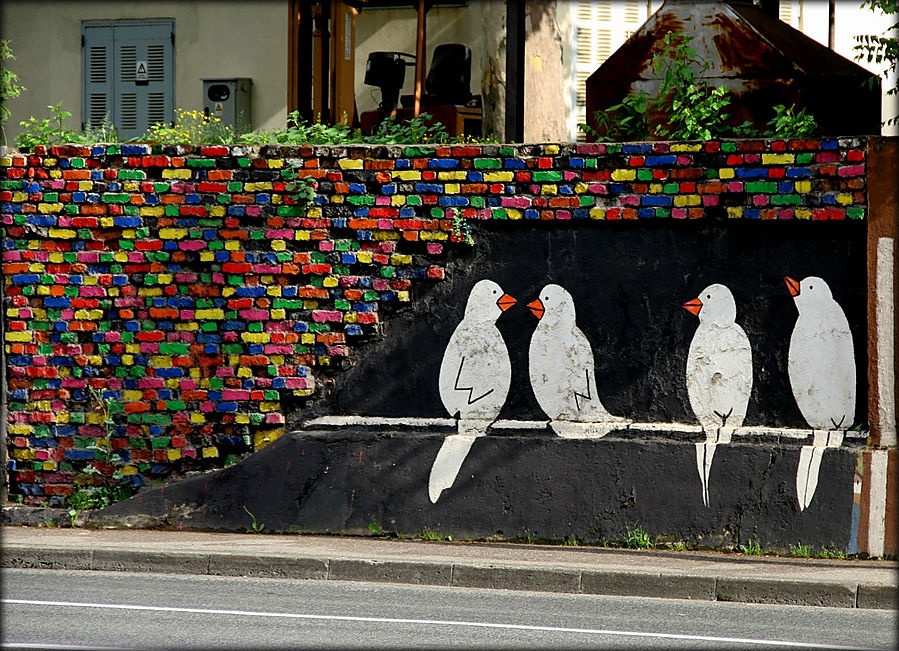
pixel 449 460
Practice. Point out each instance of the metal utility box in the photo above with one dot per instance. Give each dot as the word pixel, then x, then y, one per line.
pixel 230 100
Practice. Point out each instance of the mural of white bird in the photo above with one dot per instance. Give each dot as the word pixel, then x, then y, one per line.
pixel 562 370
pixel 719 373
pixel 474 379
pixel 821 366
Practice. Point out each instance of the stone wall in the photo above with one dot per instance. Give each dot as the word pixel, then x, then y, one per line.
pixel 191 288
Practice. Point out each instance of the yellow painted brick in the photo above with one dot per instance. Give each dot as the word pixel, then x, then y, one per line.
pixel 364 257
pixel 48 465
pixel 131 186
pixel 350 163
pixel 169 173
pixel 36 267
pixel 34 244
pixel 350 317
pixel 43 290
pixel 232 245
pixel 164 279
pixel 302 235
pixel 400 258
pixel 735 212
pixel 386 236
pixel 62 417
pixel 597 213
pixel 777 159
pixel 267 406
pixel 90 280
pixel 310 304
pixel 151 211
pixel 88 315
pixel 279 314
pixel 129 470
pixel 266 279
pixel 172 233
pixel 129 234
pixel 244 371
pixel 726 173
pixel 277 360
pixel 276 198
pixel 25 454
pixel 127 360
pixel 149 291
pixel 429 236
pixel 133 348
pixel 279 245
pixel 452 175
pixel 186 327
pixel 398 200
pixel 581 188
pixel 107 222
pixel 314 213
pixel 50 162
pixel 552 150
pixel 803 186
pixel 18 335
pixel 63 233
pixel 844 199
pixel 173 455
pixel 338 198
pixel 802 213
pixel 6 162
pixel 275 163
pixel 212 313
pixel 19 197
pixel 263 438
pixel 255 337
pixel 512 213
pixel 624 175
pixel 85 186
pixel 242 419
pixel 19 429
pixel 161 361
pixel 655 188
pixel 307 338
pixel 121 256
pixel 498 177
pixel 405 175
pixel 216 211
pixel 210 451
pixel 686 200
pixel 403 296
pixel 452 188
pixel 274 290
pixel 207 256
pixel 549 188
pixel 685 147
pixel 330 281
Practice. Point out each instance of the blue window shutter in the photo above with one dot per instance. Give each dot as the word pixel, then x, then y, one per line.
pixel 97 98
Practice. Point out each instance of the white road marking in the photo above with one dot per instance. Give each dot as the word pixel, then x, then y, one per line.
pixel 428 622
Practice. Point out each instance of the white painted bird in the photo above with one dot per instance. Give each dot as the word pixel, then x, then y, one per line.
pixel 474 380
pixel 821 366
pixel 719 373
pixel 562 370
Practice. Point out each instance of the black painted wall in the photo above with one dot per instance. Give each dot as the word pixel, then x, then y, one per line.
pixel 628 281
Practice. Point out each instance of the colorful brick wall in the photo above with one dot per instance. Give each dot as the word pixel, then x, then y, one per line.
pixel 193 290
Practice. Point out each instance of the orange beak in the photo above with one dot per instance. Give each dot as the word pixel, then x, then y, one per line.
pixel 693 306
pixel 537 308
pixel 792 286
pixel 505 302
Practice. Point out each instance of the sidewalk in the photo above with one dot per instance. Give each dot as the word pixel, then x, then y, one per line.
pixel 587 570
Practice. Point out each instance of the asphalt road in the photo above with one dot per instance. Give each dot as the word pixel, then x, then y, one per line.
pixel 79 609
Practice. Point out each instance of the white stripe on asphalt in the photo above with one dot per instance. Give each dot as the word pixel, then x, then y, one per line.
pixel 428 622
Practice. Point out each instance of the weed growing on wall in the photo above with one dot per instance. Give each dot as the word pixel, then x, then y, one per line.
pixel 687 109
pixel 190 127
pixel 107 483
pixel 9 84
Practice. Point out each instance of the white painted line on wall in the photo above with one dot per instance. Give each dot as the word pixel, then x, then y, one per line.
pixel 681 428
pixel 429 622
pixel 877 502
pixel 885 297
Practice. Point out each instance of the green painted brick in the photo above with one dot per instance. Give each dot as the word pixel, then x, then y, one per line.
pixel 499 213
pixel 728 146
pixel 200 162
pixel 387 272
pixel 159 186
pixel 160 442
pixel 51 196
pixel 287 303
pixel 70 209
pixel 172 348
pixel 413 201
pixel 762 187
pixel 155 419
pixel 342 304
pixel 671 188
pixel 361 200
pixel 76 162
pixel 132 174
pixel 319 327
pixel 370 295
pixel 487 163
pixel 644 175
pixel 547 175
pixel 855 212
pixel 171 210
pixel 131 211
pixel 116 197
pixel 235 186
pixel 476 202
pixel 175 405
pixel 786 200
pixel 804 157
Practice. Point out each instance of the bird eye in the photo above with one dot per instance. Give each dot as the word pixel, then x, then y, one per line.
pixel 494 291
pixel 708 296
pixel 546 298
pixel 811 286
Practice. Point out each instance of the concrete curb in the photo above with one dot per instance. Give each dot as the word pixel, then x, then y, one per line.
pixel 612 582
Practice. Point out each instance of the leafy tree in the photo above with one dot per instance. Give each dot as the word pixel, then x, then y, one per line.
pixel 9 86
pixel 883 49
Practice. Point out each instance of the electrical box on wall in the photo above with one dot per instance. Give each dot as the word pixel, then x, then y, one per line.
pixel 230 101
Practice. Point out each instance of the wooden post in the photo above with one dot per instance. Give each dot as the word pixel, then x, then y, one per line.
pixel 515 41
pixel 420 56
pixel 343 61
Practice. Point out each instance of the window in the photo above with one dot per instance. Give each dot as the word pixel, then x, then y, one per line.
pixel 128 73
pixel 600 28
